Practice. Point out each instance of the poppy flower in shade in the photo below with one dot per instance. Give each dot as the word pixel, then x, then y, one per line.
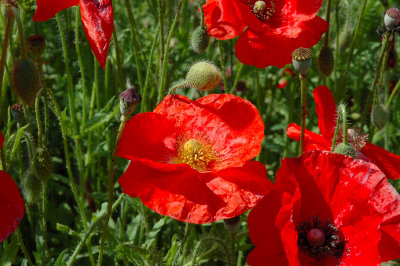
pixel 275 28
pixel 327 116
pixel 11 203
pixel 326 209
pixel 286 75
pixel 190 159
pixel 97 19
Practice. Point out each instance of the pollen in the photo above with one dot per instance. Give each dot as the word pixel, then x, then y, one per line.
pixel 263 9
pixel 196 154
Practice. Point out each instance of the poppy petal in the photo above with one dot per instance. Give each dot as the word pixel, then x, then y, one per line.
pixel 1 140
pixel 47 9
pixel 98 21
pixel 150 136
pixel 222 18
pixel 11 206
pixel 271 49
pixel 312 141
pixel 230 124
pixel 187 195
pixel 326 111
pixel 386 161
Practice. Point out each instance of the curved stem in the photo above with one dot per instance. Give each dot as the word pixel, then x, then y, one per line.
pixel 7 32
pixel 24 53
pixel 23 247
pixel 222 62
pixel 393 94
pixel 233 89
pixel 328 17
pixel 303 87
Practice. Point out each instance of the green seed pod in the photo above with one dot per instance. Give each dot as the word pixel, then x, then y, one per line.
pixel 32 187
pixel 232 224
pixel 203 76
pixel 42 165
pixel 345 149
pixel 200 39
pixel 380 116
pixel 25 79
pixel 302 60
pixel 326 61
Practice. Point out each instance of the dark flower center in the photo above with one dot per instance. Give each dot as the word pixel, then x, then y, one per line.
pixel 263 9
pixel 320 239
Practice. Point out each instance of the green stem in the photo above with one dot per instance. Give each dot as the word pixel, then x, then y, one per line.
pixel 90 230
pixel 145 101
pixel 24 53
pixel 222 62
pixel 71 98
pixel 337 129
pixel 23 247
pixel 177 86
pixel 124 119
pixel 119 63
pixel 44 219
pixel 303 87
pixel 393 94
pixel 135 44
pixel 328 17
pixel 39 123
pixel 81 68
pixel 7 32
pixel 342 89
pixel 233 89
pixel 344 122
pixel 161 90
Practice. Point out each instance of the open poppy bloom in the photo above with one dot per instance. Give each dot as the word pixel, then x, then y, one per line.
pixel 11 203
pixel 97 19
pixel 190 159
pixel 275 28
pixel 326 209
pixel 327 116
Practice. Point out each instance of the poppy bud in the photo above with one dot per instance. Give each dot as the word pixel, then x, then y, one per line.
pixel 392 17
pixel 345 149
pixel 42 165
pixel 32 187
pixel 36 45
pixel 17 111
pixel 200 39
pixel 10 3
pixel 302 60
pixel 203 76
pixel 380 116
pixel 128 100
pixel 25 79
pixel 232 224
pixel 326 61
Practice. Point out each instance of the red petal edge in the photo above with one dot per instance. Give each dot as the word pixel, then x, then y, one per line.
pixel 47 9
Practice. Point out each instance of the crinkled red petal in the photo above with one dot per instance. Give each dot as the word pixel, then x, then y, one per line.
pixel 47 9
pixel 223 19
pixel 190 196
pixel 326 111
pixel 98 21
pixel 230 124
pixel 271 49
pixel 300 10
pixel 150 136
pixel 386 161
pixel 11 206
pixel 312 141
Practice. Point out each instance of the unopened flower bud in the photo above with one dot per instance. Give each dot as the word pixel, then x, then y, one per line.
pixel 36 45
pixel 232 224
pixel 25 79
pixel 200 39
pixel 128 100
pixel 203 76
pixel 345 149
pixel 42 165
pixel 10 3
pixel 380 116
pixel 392 17
pixel 302 60
pixel 326 61
pixel 17 111
pixel 32 187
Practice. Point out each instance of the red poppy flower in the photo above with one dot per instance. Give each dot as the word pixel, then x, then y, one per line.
pixel 11 203
pixel 326 209
pixel 287 73
pixel 97 19
pixel 326 111
pixel 190 159
pixel 275 28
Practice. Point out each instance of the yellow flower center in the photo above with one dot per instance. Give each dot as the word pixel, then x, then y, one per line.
pixel 199 156
pixel 263 9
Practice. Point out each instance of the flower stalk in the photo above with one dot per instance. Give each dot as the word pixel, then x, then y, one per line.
pixel 303 88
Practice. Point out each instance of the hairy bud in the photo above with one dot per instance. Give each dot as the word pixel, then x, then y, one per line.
pixel 326 61
pixel 42 165
pixel 345 149
pixel 380 116
pixel 25 79
pixel 200 39
pixel 203 76
pixel 32 187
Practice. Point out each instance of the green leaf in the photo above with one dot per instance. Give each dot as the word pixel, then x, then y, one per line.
pixel 10 252
pixel 102 117
pixel 60 260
